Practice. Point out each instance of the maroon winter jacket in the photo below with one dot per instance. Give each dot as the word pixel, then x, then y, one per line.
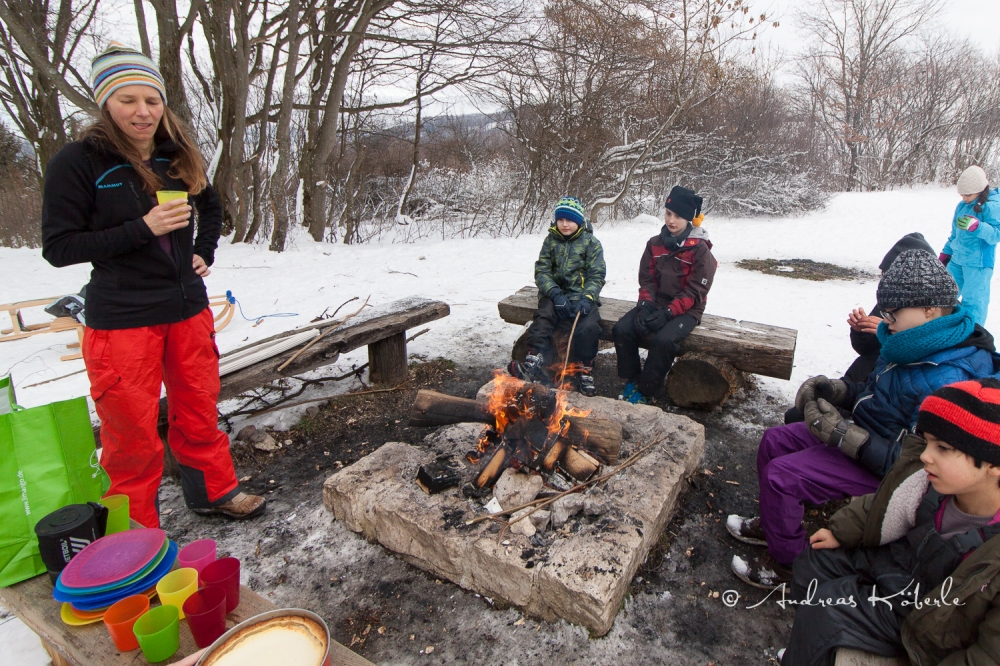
pixel 678 279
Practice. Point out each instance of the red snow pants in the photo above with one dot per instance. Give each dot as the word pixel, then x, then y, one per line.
pixel 126 369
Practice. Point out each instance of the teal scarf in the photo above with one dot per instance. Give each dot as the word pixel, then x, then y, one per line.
pixel 920 342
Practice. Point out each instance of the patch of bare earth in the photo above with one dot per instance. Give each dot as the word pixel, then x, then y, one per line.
pixel 804 269
pixel 391 612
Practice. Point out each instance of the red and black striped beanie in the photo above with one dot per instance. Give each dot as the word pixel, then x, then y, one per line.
pixel 966 415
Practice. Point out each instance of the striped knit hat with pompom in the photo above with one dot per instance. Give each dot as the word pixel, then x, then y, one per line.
pixel 120 66
pixel 965 415
pixel 570 208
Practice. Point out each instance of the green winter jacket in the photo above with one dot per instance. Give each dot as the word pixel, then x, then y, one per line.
pixel 574 264
pixel 963 632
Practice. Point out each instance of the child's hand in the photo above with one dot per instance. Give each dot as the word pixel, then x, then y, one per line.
pixel 967 223
pixel 862 322
pixel 823 539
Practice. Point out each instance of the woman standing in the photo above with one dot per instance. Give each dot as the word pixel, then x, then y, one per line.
pixel 971 248
pixel 147 315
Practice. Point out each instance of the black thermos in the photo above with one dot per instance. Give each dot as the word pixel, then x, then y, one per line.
pixel 64 533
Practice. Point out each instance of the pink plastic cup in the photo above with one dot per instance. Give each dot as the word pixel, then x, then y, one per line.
pixel 206 614
pixel 197 554
pixel 224 573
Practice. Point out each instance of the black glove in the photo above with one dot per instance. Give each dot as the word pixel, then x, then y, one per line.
pixel 562 305
pixel 583 306
pixel 657 319
pixel 826 423
pixel 834 391
pixel 645 308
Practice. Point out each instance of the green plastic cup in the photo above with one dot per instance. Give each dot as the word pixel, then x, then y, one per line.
pixel 163 196
pixel 158 633
pixel 118 513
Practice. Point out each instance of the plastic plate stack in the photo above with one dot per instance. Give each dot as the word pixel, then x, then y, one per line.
pixel 110 569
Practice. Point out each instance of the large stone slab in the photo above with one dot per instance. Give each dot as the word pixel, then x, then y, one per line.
pixel 581 576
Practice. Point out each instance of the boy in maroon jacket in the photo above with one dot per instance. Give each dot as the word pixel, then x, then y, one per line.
pixel 675 275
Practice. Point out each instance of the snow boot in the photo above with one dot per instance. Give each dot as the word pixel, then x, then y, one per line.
pixel 747 530
pixel 585 381
pixel 761 571
pixel 532 369
pixel 627 392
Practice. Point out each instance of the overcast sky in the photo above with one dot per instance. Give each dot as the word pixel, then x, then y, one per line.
pixel 979 20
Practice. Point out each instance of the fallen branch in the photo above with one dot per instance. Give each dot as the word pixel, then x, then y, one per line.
pixel 538 504
pixel 55 379
pixel 323 335
pixel 330 397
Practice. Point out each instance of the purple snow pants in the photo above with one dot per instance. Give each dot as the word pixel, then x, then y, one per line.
pixel 793 467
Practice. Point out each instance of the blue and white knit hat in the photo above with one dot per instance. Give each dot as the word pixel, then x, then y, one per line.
pixel 120 66
pixel 570 208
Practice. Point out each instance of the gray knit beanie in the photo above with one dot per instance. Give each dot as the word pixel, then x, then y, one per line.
pixel 917 279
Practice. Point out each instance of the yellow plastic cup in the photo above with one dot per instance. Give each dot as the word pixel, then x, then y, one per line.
pixel 176 587
pixel 163 196
pixel 118 513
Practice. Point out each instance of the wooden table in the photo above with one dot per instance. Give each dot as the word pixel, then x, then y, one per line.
pixel 32 602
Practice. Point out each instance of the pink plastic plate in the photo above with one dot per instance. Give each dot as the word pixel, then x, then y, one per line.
pixel 113 558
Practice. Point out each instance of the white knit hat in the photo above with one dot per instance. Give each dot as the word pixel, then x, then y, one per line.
pixel 972 181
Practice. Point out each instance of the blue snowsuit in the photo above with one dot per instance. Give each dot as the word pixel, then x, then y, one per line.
pixel 973 253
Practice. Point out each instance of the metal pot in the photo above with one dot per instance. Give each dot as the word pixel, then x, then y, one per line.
pixel 263 617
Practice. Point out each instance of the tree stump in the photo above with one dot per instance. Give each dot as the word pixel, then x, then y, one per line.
pixel 387 360
pixel 702 381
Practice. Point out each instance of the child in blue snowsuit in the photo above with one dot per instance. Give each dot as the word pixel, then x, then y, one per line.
pixel 975 231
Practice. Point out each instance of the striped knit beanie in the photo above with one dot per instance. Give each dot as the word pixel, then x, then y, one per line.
pixel 966 415
pixel 120 66
pixel 570 208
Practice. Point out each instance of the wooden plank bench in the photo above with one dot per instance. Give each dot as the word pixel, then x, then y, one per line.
pixel 382 328
pixel 714 355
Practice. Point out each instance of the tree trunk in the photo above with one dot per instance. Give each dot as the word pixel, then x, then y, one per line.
pixel 279 180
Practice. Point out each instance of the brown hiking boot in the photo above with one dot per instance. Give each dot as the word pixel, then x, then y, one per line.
pixel 747 530
pixel 241 507
pixel 761 571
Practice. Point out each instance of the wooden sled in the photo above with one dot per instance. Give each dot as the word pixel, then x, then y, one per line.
pixel 19 329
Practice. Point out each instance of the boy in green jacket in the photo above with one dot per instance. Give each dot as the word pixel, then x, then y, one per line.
pixel 914 568
pixel 569 274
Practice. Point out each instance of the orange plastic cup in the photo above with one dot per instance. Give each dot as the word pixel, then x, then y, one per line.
pixel 121 617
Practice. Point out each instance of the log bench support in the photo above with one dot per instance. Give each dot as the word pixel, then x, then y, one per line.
pixel 387 360
pixel 714 358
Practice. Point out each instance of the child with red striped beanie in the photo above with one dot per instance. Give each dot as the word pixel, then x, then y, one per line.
pixel 914 568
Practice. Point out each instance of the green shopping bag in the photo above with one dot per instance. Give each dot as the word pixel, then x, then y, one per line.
pixel 48 459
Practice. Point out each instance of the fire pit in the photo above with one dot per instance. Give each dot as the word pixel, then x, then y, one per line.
pixel 572 559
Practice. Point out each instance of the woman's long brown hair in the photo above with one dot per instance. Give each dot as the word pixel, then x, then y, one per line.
pixel 186 164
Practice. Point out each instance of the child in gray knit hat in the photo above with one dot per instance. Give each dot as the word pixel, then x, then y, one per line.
pixel 928 340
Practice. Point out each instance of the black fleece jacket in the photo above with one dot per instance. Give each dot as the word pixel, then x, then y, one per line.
pixel 92 211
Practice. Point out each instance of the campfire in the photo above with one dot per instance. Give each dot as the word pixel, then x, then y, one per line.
pixel 529 427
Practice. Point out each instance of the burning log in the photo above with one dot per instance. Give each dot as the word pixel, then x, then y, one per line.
pixel 601 437
pixel 579 464
pixel 495 467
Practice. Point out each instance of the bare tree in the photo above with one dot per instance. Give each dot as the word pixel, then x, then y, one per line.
pixel 852 44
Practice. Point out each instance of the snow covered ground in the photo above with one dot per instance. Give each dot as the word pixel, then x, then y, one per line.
pixel 855 230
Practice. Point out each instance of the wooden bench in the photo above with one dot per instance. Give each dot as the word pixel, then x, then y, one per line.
pixel 20 330
pixel 858 658
pixel 714 355
pixel 31 601
pixel 382 328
